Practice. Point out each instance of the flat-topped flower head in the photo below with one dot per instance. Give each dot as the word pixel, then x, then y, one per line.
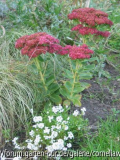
pixel 89 19
pixel 36 44
pixel 90 16
pixel 80 52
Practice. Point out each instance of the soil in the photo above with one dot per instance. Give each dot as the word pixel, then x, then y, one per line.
pixel 102 96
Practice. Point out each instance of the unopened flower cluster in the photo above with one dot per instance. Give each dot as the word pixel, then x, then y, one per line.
pixel 53 131
pixel 41 43
pixel 89 19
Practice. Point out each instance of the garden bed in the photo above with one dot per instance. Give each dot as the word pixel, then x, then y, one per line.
pixel 99 100
pixel 59 76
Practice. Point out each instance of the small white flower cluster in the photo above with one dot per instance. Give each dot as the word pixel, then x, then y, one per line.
pixel 76 112
pixel 83 110
pixel 60 143
pixel 17 146
pixel 50 133
pixel 37 119
pixel 50 118
pixel 52 129
pixel 57 109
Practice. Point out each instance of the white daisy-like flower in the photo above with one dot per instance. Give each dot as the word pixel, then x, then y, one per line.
pixel 40 125
pixel 37 119
pixel 70 135
pixel 58 145
pixel 54 134
pixel 60 108
pixel 47 130
pixel 53 127
pixel 55 109
pixel 50 148
pixel 31 133
pixel 55 145
pixel 50 118
pixel 66 127
pixel 65 122
pixel 15 140
pixel 31 146
pixel 59 118
pixel 61 144
pixel 83 110
pixel 17 146
pixel 76 113
pixel 61 141
pixel 35 126
pixel 37 139
pixel 69 145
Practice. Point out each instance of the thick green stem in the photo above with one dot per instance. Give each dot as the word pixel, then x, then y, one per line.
pixel 74 77
pixel 71 66
pixel 40 72
pixel 84 41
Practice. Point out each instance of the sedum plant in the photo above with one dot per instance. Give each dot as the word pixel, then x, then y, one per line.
pixel 89 20
pixel 92 27
pixel 41 43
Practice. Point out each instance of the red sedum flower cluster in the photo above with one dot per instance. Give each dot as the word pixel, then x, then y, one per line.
pixel 40 43
pixel 80 52
pixel 36 44
pixel 89 19
pixel 87 30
